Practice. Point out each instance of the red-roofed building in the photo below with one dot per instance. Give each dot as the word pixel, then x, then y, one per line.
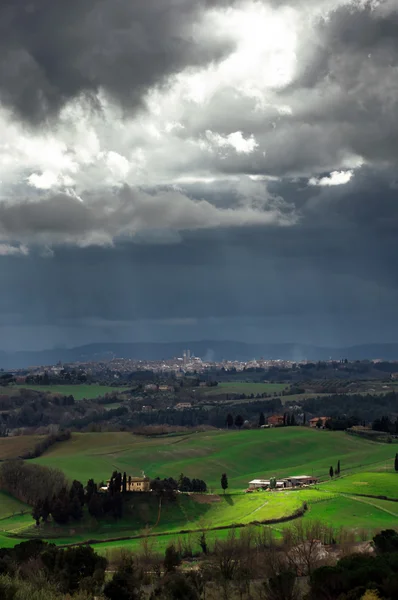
pixel 275 420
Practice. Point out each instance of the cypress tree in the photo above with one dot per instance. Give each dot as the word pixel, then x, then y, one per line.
pixel 331 472
pixel 396 462
pixel 224 481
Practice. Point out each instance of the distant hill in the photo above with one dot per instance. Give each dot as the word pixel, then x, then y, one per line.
pixel 210 350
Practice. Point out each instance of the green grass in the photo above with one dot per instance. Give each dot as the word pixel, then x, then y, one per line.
pixel 160 543
pixel 88 391
pixel 243 455
pixel 10 506
pixel 241 387
pixel 184 514
pixel 381 483
pixel 342 511
pixel 17 445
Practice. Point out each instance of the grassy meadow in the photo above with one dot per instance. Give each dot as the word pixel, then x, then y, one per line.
pixel 10 506
pixel 376 483
pixel 18 445
pixel 243 455
pixel 80 391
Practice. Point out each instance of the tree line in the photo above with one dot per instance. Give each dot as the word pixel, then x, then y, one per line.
pixel 50 495
pixel 29 482
pixel 46 443
pixel 250 566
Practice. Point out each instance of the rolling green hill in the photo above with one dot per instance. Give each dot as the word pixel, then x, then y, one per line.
pixel 369 483
pixel 243 455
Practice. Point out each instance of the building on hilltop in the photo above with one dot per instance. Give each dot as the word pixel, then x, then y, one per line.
pixel 319 421
pixel 275 420
pixel 133 484
pixel 138 484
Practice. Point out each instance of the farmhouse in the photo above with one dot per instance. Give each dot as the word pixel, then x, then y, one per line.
pixel 287 482
pixel 314 422
pixel 182 405
pixel 138 484
pixel 299 480
pixel 133 484
pixel 275 420
pixel 257 484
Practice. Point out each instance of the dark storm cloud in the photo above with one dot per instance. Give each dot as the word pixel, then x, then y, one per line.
pixel 341 107
pixel 305 271
pixel 331 277
pixel 53 51
pixel 348 76
pixel 335 266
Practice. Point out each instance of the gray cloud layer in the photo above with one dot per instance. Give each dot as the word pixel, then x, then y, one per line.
pixel 307 250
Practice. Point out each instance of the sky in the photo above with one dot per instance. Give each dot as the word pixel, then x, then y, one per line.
pixel 182 170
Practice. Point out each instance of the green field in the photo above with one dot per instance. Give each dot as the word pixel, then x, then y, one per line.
pixel 377 483
pixel 160 543
pixel 186 513
pixel 88 391
pixel 10 506
pixel 18 445
pixel 243 455
pixel 355 514
pixel 241 387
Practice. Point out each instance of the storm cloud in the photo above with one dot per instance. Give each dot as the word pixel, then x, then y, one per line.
pixel 229 167
pixel 52 52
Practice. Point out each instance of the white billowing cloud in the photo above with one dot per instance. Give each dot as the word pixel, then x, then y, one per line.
pixel 233 140
pixel 43 181
pixel 49 180
pixel 335 178
pixel 264 58
pixel 118 165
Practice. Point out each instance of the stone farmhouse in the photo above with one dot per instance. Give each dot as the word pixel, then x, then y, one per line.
pixel 139 484
pixel 134 484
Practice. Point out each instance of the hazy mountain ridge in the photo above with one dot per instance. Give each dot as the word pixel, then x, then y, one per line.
pixel 210 350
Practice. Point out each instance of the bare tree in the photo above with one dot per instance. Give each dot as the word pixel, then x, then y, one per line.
pixel 304 549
